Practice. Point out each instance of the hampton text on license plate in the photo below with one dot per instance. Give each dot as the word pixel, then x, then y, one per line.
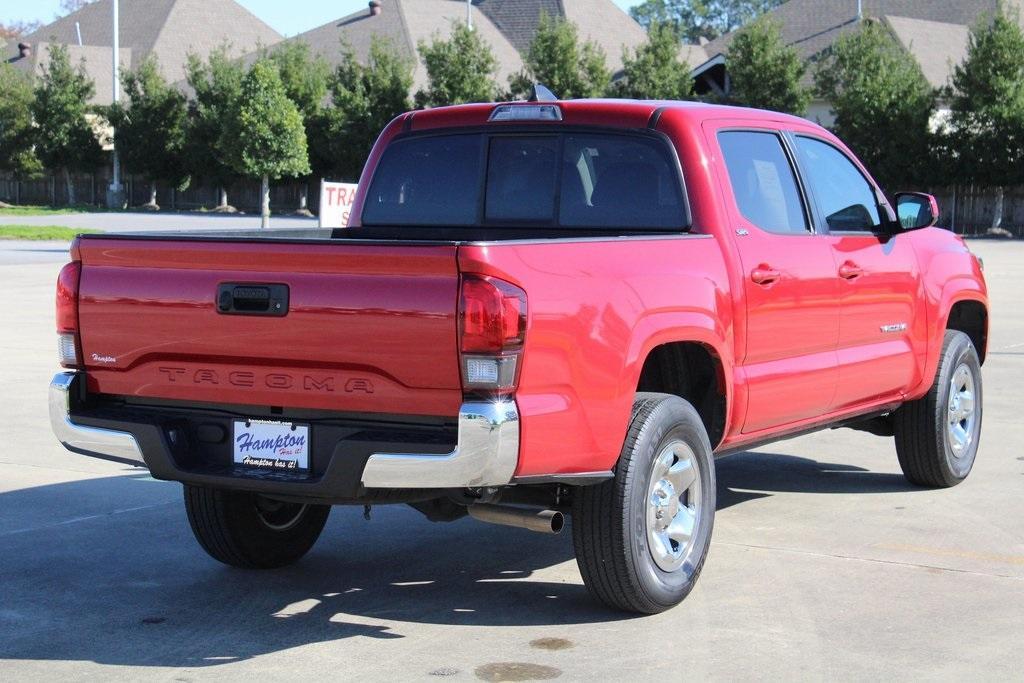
pixel 279 446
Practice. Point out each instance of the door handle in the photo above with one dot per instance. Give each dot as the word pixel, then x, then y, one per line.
pixel 850 271
pixel 235 298
pixel 765 275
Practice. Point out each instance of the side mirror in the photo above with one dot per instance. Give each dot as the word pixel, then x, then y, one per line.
pixel 916 210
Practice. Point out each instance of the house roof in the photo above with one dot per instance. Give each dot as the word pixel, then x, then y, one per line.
pixel 168 29
pixel 811 26
pixel 606 25
pixel 936 57
pixel 95 59
pixel 405 23
pixel 692 55
pixel 507 25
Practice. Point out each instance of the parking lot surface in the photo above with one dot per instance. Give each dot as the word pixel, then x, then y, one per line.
pixel 825 563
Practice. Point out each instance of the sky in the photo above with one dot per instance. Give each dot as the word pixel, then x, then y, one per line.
pixel 285 17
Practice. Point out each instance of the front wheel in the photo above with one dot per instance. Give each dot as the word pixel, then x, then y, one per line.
pixel 937 435
pixel 641 538
pixel 251 531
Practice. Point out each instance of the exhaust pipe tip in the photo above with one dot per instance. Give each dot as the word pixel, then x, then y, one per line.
pixel 541 521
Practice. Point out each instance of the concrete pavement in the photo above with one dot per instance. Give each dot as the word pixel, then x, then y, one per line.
pixel 145 221
pixel 825 564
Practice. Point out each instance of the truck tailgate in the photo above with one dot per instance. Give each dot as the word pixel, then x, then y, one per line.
pixel 369 328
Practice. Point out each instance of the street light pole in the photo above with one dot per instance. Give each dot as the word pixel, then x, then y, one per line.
pixel 469 14
pixel 115 193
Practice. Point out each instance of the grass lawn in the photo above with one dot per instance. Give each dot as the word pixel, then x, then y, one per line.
pixel 11 210
pixel 39 232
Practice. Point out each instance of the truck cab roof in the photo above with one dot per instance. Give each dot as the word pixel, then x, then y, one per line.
pixel 590 112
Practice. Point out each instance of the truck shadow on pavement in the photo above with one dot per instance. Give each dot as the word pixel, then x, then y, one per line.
pixel 106 570
pixel 748 476
pixel 132 587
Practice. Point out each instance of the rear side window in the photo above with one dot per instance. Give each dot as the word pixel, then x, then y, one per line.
pixel 569 180
pixel 611 181
pixel 763 181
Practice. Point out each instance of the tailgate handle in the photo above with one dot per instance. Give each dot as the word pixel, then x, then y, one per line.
pixel 235 298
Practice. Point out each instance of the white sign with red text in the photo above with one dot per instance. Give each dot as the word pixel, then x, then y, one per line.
pixel 335 203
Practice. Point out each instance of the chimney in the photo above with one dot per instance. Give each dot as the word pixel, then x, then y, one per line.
pixel 24 50
pixel 374 7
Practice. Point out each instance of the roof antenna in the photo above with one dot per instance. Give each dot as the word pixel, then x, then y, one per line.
pixel 540 93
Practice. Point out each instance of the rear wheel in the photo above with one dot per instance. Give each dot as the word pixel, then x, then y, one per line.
pixel 937 435
pixel 248 530
pixel 641 538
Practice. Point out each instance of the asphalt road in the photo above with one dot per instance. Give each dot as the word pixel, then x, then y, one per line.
pixel 825 564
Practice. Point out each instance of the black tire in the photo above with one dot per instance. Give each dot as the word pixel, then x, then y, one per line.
pixel 928 453
pixel 250 531
pixel 610 525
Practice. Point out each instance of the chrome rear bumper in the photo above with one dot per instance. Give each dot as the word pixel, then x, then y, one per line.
pixel 486 454
pixel 99 443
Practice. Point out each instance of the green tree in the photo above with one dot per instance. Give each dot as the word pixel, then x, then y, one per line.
pixel 150 127
pixel 216 84
pixel 696 19
pixel 17 155
pixel 558 60
pixel 460 69
pixel 366 97
pixel 653 71
pixel 265 138
pixel 882 104
pixel 764 72
pixel 986 123
pixel 64 137
pixel 306 78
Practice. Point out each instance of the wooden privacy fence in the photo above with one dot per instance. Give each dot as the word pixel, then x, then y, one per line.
pixel 91 189
pixel 967 210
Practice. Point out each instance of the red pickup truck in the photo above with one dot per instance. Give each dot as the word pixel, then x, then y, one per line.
pixel 540 308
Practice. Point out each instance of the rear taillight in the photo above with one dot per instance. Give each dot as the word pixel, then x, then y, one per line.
pixel 492 315
pixel 67 314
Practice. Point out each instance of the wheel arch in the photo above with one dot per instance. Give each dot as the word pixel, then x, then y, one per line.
pixel 693 370
pixel 970 316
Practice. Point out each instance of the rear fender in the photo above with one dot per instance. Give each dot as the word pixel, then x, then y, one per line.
pixel 659 329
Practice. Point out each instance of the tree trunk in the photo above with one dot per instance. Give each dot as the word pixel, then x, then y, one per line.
pixel 304 198
pixel 265 203
pixel 152 193
pixel 997 211
pixel 70 186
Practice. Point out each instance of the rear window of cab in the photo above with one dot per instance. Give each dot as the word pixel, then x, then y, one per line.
pixel 558 180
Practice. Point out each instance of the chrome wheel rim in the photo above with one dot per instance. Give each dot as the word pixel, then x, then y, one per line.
pixel 673 506
pixel 962 411
pixel 277 514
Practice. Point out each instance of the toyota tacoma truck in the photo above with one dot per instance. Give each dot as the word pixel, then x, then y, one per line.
pixel 539 308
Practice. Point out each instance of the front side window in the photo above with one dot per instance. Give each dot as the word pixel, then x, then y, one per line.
pixel 763 181
pixel 553 179
pixel 845 198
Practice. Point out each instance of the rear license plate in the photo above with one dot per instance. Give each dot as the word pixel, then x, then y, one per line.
pixel 271 446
